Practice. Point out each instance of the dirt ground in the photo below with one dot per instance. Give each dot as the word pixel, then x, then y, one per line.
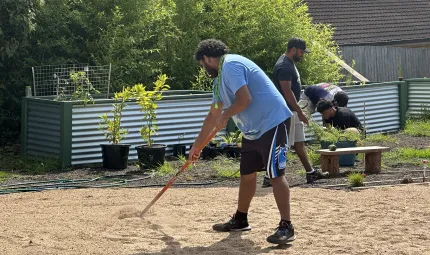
pixel 394 220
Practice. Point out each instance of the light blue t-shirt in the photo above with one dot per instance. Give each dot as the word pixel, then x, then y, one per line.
pixel 267 108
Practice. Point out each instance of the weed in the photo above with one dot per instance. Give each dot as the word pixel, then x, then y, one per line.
pixel 165 169
pixel 183 160
pixel 379 138
pixel 417 127
pixel 356 179
pixel 226 168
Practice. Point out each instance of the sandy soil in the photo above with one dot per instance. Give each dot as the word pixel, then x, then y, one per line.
pixel 93 221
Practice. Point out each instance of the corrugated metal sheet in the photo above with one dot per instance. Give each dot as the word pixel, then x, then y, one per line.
pixel 43 135
pixel 382 107
pixel 419 95
pixel 383 63
pixel 175 116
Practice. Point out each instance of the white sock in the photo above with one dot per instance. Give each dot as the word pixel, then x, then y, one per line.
pixel 313 170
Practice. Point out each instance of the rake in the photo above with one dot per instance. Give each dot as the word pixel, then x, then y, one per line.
pixel 173 179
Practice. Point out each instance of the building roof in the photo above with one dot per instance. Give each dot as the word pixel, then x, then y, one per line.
pixel 374 22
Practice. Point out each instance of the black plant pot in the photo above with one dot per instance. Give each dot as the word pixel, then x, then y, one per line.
pixel 115 156
pixel 151 157
pixel 206 153
pixel 233 152
pixel 179 149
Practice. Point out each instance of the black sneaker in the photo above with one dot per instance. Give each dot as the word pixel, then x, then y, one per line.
pixel 232 225
pixel 284 234
pixel 315 175
pixel 266 182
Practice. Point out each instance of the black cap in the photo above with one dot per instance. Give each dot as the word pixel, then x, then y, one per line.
pixel 297 43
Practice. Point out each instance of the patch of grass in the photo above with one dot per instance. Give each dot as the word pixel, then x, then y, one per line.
pixel 417 127
pixel 301 172
pixel 379 138
pixel 29 165
pixel 5 175
pixel 182 159
pixel 411 153
pixel 406 156
pixel 356 179
pixel 165 169
pixel 226 167
pixel 12 161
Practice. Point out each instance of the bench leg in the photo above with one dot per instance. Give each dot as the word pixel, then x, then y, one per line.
pixel 330 164
pixel 373 162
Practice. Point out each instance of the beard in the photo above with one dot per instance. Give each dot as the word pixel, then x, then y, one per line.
pixel 297 58
pixel 213 73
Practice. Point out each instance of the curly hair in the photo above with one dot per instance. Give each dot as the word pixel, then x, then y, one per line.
pixel 323 105
pixel 210 48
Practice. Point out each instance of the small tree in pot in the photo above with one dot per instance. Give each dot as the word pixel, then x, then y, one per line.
pixel 115 155
pixel 150 155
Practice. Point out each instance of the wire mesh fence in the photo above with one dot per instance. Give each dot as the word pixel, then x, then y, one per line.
pixel 66 81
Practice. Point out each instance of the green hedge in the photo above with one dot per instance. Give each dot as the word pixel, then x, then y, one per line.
pixel 143 38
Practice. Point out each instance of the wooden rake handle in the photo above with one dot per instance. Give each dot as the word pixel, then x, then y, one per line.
pixel 173 179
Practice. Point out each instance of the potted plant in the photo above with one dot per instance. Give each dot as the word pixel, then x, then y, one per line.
pixel 179 149
pixel 115 155
pixel 150 155
pixel 232 143
pixel 339 138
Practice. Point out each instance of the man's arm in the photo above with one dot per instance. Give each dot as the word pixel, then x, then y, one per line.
pixel 291 99
pixel 208 124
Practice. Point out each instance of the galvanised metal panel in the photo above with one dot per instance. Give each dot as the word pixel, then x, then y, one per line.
pixel 382 107
pixel 419 95
pixel 43 134
pixel 175 116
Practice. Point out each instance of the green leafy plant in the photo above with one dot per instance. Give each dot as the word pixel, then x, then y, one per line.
pixel 165 169
pixel 112 126
pixel 202 81
pixel 356 179
pixel 147 100
pixel 331 134
pixel 232 138
pixel 182 159
pixel 83 88
pixel 314 158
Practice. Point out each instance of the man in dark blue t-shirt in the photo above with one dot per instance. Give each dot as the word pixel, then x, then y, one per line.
pixel 314 93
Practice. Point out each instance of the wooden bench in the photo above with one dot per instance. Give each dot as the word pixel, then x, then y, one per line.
pixel 330 159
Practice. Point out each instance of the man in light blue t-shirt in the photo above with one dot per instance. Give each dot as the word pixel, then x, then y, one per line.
pixel 243 92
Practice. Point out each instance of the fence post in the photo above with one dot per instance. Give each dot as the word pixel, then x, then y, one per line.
pixel 65 156
pixel 403 101
pixel 24 125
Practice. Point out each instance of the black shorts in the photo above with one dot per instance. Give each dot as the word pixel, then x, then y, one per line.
pixel 268 153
